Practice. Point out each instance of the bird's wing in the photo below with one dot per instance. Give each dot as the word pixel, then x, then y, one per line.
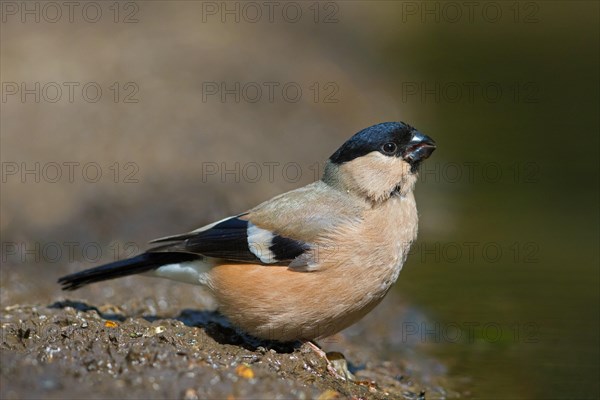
pixel 308 213
pixel 283 230
pixel 235 239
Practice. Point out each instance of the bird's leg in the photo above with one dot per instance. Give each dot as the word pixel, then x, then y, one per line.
pixel 330 366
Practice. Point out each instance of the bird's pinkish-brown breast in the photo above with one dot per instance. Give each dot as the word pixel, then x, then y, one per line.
pixel 356 267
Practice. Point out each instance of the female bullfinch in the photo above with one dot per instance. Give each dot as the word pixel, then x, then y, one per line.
pixel 310 262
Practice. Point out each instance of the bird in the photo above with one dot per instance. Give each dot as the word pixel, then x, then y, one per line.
pixel 307 263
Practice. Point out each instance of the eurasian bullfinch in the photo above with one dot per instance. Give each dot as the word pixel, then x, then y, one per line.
pixel 310 262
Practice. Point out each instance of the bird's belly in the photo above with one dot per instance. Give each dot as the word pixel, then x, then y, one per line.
pixel 276 303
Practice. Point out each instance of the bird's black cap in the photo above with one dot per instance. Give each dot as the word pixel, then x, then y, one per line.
pixel 389 138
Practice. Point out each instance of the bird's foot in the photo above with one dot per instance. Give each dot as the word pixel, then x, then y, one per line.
pixel 336 362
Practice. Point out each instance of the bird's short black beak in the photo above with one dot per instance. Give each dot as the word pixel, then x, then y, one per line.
pixel 418 149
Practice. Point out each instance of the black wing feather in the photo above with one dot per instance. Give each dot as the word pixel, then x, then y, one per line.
pixel 286 249
pixel 229 240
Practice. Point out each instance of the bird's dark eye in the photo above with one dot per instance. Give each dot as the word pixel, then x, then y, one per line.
pixel 389 148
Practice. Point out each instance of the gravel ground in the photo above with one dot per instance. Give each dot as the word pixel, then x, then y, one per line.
pixel 147 348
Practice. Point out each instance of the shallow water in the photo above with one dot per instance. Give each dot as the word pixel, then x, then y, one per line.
pixel 507 260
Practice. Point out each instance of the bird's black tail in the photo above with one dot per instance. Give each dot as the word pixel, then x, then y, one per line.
pixel 136 265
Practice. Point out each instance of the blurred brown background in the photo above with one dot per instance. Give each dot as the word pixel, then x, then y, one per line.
pixel 508 90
